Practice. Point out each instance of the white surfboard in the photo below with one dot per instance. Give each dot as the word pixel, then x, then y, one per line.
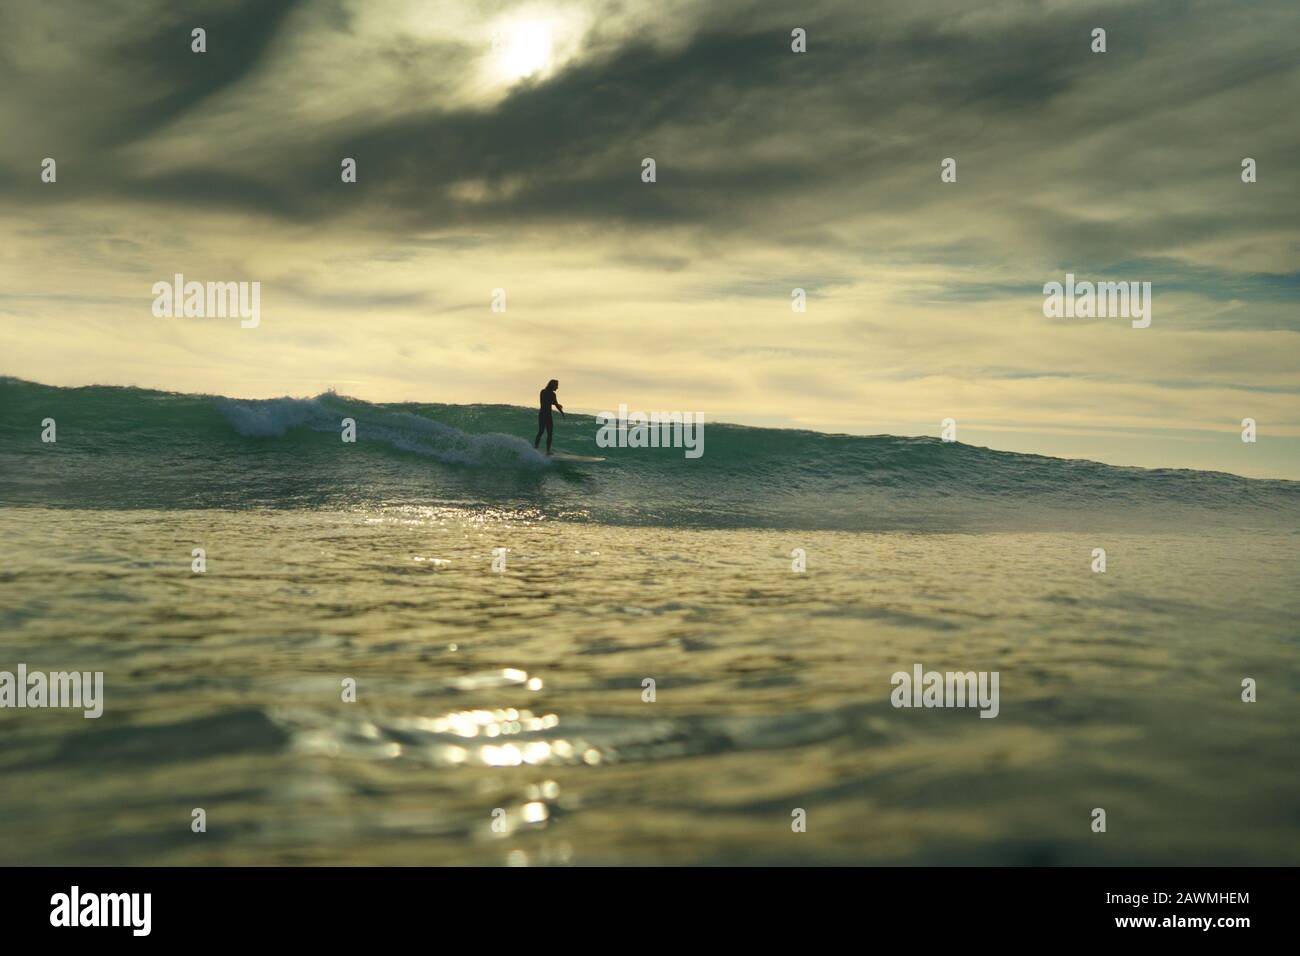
pixel 566 456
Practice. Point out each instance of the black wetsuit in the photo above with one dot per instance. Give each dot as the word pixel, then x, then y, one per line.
pixel 545 422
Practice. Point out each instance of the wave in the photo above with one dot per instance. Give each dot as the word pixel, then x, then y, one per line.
pixel 122 447
pixel 402 430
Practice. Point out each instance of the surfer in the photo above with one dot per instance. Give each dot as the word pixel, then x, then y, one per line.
pixel 545 423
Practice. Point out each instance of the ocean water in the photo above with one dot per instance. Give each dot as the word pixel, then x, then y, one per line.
pixel 500 717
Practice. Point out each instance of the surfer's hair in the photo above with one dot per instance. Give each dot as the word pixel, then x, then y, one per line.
pixel 553 383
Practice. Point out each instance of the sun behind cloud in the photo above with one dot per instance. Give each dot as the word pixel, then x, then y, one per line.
pixel 525 48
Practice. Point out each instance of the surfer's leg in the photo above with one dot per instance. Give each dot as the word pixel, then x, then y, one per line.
pixel 550 430
pixel 541 427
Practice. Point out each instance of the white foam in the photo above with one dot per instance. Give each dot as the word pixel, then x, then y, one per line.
pixel 270 417
pixel 413 433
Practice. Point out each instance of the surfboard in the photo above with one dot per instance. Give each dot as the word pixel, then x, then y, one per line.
pixel 566 456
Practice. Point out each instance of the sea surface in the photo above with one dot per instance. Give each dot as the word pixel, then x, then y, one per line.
pixel 501 715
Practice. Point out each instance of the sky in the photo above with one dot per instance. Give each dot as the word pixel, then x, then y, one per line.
pixel 500 145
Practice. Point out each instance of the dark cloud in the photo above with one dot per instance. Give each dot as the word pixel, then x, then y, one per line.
pixel 748 137
pixel 1069 161
pixel 168 80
